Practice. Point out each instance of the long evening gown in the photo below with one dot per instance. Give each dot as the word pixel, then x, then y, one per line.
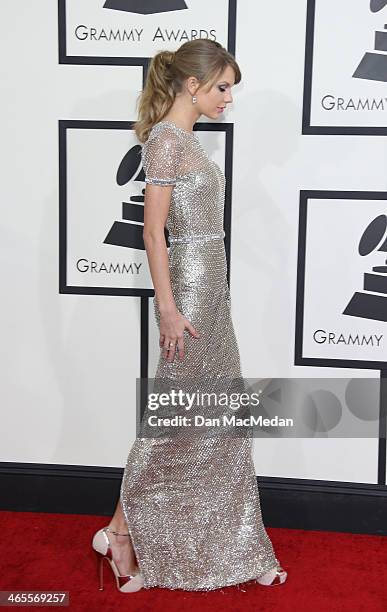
pixel 192 506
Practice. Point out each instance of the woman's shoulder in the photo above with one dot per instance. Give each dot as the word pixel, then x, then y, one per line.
pixel 166 136
pixel 173 131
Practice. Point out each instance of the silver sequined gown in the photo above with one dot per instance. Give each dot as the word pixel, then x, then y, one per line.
pixel 192 506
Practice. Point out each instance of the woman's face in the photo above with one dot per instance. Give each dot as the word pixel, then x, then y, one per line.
pixel 213 102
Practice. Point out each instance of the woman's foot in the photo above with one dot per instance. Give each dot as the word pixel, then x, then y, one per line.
pixel 122 550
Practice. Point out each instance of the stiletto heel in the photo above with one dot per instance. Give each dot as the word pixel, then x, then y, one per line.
pixel 127 583
pixel 100 559
pixel 278 578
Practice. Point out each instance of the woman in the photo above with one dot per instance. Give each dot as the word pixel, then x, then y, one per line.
pixel 189 514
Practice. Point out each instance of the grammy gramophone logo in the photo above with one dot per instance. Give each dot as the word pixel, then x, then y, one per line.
pixel 128 231
pixel 145 7
pixel 373 304
pixel 373 65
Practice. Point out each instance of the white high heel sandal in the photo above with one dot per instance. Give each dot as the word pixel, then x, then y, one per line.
pixel 275 576
pixel 126 583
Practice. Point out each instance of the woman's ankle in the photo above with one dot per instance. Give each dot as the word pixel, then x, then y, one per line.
pixel 119 533
pixel 118 527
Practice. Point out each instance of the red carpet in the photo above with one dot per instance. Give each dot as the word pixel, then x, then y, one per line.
pixel 327 571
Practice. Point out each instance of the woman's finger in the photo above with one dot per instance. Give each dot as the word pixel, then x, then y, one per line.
pixel 168 346
pixel 180 347
pixel 171 352
pixel 165 345
pixel 191 329
pixel 170 349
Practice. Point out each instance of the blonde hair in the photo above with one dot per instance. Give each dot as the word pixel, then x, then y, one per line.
pixel 202 58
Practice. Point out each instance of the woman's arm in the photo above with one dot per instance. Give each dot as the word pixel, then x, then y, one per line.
pixel 156 207
pixel 161 156
pixel 172 322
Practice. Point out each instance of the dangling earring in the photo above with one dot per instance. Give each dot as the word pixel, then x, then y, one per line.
pixel 193 99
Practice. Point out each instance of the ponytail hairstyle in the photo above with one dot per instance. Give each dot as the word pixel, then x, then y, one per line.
pixel 202 58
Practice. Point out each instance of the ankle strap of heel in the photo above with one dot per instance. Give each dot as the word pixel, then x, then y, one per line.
pixel 116 532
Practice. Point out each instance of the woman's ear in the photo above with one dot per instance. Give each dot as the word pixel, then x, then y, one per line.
pixel 192 85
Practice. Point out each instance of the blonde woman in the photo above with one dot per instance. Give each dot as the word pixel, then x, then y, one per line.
pixel 189 514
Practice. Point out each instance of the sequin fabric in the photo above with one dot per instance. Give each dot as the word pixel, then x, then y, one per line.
pixel 192 506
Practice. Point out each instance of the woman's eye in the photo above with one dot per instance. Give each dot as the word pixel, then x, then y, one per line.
pixel 222 88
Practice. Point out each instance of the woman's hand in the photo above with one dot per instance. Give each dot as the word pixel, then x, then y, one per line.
pixel 172 326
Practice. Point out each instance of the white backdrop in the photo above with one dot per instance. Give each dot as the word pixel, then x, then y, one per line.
pixel 69 362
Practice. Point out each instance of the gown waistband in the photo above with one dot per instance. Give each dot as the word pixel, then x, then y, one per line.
pixel 196 237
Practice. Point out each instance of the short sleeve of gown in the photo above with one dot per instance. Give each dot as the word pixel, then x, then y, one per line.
pixel 161 155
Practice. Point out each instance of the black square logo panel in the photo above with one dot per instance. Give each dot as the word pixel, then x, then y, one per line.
pixel 341 308
pixel 129 32
pixel 345 78
pixel 102 188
